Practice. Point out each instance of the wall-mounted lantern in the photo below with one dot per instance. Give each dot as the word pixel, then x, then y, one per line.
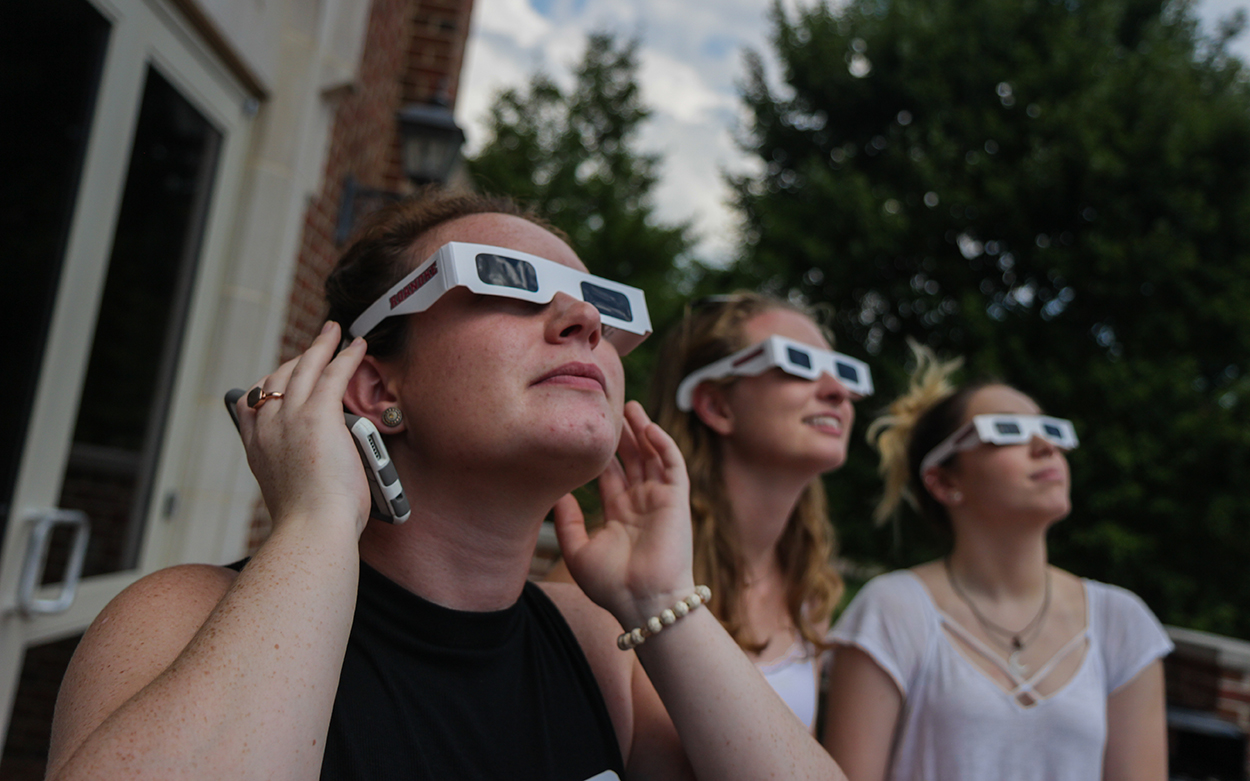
pixel 430 142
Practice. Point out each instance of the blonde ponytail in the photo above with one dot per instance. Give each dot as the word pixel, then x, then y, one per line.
pixel 891 434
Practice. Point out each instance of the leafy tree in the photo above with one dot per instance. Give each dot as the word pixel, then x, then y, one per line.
pixel 1058 190
pixel 572 156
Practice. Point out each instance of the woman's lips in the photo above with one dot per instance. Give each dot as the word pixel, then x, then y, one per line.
pixel 575 375
pixel 1049 474
pixel 827 422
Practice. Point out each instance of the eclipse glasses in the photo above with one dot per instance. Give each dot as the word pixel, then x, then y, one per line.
pixel 495 271
pixel 1002 430
pixel 796 358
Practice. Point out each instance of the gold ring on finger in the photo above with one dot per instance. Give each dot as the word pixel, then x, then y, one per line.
pixel 257 396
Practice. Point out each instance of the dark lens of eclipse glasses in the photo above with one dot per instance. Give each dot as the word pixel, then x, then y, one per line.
pixel 608 302
pixel 847 372
pixel 507 272
pixel 1052 431
pixel 1007 428
pixel 799 358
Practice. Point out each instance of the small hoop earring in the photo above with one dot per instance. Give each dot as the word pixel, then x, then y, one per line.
pixel 392 416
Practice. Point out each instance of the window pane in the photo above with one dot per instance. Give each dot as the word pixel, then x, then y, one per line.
pixel 138 332
pixel 26 749
pixel 51 53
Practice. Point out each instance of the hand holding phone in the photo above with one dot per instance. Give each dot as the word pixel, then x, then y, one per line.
pixel 387 497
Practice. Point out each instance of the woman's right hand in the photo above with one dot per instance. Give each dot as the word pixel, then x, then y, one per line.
pixel 297 446
pixel 188 665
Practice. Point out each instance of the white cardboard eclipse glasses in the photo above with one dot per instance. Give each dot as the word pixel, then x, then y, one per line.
pixel 796 358
pixel 1002 429
pixel 496 271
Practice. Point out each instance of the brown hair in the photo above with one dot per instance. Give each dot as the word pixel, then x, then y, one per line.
pixel 381 255
pixel 711 330
pixel 915 423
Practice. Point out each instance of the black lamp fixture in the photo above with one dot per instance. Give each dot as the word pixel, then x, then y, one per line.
pixel 430 142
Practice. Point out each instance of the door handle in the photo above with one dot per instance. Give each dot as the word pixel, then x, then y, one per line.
pixel 37 556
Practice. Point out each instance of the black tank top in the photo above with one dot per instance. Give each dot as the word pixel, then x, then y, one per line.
pixel 432 693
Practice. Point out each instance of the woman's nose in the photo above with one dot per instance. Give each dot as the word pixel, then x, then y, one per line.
pixel 830 388
pixel 1041 446
pixel 572 318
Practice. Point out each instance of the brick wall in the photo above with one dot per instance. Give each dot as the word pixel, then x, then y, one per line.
pixel 363 143
pixel 1233 698
pixel 413 53
pixel 1210 674
pixel 436 51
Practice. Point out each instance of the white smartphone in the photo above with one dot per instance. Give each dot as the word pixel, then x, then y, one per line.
pixel 389 503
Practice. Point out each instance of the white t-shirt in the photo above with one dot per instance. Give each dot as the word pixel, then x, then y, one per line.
pixel 793 677
pixel 959 725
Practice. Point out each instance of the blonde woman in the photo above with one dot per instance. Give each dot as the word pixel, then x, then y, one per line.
pixel 990 663
pixel 746 386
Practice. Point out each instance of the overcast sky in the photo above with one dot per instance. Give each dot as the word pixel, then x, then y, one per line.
pixel 691 62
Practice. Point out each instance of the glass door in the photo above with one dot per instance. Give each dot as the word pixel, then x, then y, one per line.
pixel 118 181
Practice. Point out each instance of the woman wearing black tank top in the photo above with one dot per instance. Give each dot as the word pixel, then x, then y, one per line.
pixel 506 405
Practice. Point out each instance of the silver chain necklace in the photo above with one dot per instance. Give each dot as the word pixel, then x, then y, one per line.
pixel 1016 642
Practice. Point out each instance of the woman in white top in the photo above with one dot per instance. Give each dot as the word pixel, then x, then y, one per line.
pixel 757 437
pixel 990 663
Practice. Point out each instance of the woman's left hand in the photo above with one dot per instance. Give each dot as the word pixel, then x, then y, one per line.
pixel 639 562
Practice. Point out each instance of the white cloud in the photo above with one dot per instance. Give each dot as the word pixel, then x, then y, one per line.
pixel 1214 11
pixel 692 188
pixel 673 87
pixel 513 20
pixel 508 41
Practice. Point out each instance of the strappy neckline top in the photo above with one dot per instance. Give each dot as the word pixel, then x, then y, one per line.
pixel 1024 687
pixel 958 723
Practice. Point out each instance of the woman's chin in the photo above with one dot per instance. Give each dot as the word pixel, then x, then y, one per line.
pixel 590 461
pixel 571 456
pixel 1061 511
pixel 813 463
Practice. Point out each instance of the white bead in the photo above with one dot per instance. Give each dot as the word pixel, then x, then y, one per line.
pixel 636 637
pixel 704 592
pixel 667 617
pixel 654 625
pixel 680 609
pixel 622 642
pixel 694 600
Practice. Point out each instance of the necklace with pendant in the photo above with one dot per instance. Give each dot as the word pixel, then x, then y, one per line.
pixel 1014 643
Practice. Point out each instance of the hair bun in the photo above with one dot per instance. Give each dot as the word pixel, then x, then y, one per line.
pixel 891 433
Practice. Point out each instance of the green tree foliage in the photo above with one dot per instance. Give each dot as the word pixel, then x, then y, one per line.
pixel 572 155
pixel 1058 190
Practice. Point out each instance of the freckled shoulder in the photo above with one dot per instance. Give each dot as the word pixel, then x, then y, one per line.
pixel 137 635
pixel 596 632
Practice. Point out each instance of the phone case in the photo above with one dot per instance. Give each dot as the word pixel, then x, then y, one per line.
pixel 389 502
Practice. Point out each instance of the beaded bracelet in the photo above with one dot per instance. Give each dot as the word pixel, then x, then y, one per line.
pixel 635 637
